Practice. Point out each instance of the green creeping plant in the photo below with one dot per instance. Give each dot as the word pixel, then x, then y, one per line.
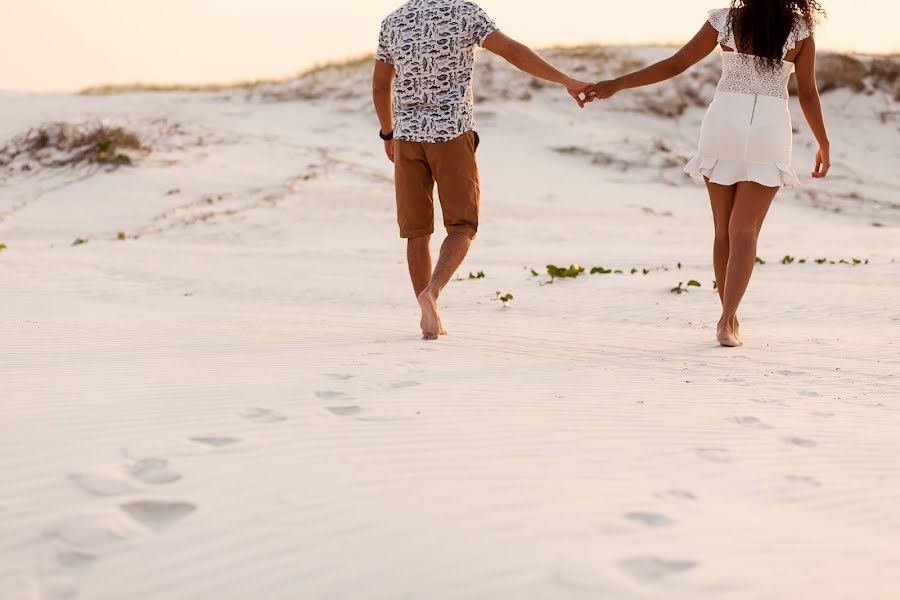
pixel 79 241
pixel 679 289
pixel 561 273
pixel 788 259
pixel 600 271
pixel 760 261
pixel 478 275
pixel 504 298
pixel 3 247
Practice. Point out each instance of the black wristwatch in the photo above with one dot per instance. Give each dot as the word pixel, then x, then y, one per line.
pixel 386 136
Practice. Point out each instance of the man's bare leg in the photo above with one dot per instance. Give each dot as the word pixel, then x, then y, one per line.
pixel 453 252
pixel 418 258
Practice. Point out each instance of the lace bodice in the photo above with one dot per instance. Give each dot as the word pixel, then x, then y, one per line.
pixel 740 74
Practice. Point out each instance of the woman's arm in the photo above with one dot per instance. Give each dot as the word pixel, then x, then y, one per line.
pixel 808 94
pixel 693 52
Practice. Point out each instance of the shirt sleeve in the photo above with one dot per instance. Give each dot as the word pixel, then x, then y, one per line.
pixel 383 53
pixel 482 25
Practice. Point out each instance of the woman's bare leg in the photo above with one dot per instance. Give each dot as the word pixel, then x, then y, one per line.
pixel 751 204
pixel 721 198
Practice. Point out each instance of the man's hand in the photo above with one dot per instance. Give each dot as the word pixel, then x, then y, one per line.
pixel 389 149
pixel 603 90
pixel 577 89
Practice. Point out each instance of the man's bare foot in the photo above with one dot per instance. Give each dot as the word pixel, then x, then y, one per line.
pixel 431 319
pixel 726 336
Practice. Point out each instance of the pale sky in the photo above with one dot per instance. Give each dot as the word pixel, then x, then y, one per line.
pixel 68 44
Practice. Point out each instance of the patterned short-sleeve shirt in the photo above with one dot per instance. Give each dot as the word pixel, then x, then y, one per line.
pixel 431 45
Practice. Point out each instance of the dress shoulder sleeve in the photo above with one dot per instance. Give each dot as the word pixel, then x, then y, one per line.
pixel 718 18
pixel 800 32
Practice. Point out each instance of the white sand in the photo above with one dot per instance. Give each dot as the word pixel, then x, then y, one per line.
pixel 237 405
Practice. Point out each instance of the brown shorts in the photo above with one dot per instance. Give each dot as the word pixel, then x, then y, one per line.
pixel 452 165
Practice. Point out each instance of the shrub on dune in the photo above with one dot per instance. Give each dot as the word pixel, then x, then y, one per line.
pixel 58 145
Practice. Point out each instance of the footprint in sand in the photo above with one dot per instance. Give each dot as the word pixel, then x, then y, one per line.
pixel 797 441
pixel 803 480
pixel 157 514
pixel 92 530
pixel 809 393
pixel 215 441
pixel 100 485
pixel 76 559
pixel 751 422
pixel 677 495
pixel 263 415
pixel 718 455
pixel 823 414
pixel 339 376
pixel 649 519
pixel 329 395
pixel 344 411
pixel 154 471
pixel 399 385
pixel 650 568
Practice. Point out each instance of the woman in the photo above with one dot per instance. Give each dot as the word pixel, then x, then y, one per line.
pixel 744 153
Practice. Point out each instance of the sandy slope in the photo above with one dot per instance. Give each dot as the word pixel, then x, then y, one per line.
pixel 235 404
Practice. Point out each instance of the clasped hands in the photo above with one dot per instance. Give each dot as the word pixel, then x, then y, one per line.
pixel 585 93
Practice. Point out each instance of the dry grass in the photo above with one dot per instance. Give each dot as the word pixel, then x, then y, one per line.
pixel 247 85
pixel 58 145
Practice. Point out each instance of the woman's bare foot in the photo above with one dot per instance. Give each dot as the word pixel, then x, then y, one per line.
pixel 726 334
pixel 431 319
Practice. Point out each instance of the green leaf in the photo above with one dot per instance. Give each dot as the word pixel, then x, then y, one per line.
pixel 760 261
pixel 121 235
pixel 3 247
pixel 693 283
pixel 788 259
pixel 79 241
pixel 600 271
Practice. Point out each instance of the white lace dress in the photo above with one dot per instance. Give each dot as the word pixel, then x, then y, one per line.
pixel 747 133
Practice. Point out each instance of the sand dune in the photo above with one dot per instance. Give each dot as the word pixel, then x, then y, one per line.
pixel 233 401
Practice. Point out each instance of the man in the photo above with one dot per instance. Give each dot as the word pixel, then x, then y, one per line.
pixel 426 54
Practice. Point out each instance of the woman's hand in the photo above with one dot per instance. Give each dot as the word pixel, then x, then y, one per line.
pixel 823 162
pixel 389 149
pixel 603 90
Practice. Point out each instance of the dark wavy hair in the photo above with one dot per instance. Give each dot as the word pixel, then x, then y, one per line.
pixel 761 27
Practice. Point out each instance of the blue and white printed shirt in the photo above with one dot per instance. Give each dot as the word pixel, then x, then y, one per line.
pixel 431 44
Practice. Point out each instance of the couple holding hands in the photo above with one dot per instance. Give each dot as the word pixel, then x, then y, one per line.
pixel 422 89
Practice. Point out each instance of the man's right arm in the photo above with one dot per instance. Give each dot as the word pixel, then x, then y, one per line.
pixel 527 60
pixel 382 79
